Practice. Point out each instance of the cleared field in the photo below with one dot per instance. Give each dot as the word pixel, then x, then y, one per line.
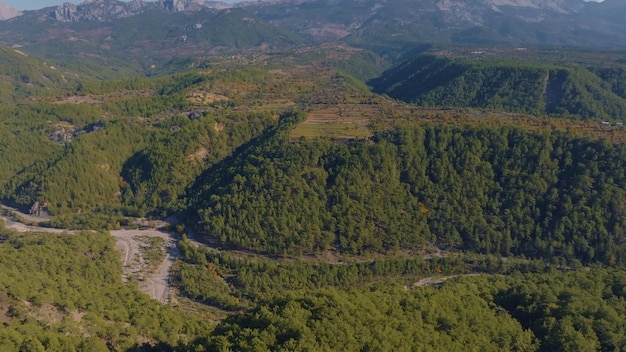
pixel 333 123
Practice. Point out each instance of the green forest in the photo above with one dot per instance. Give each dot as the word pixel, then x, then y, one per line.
pixel 505 191
pixel 73 299
pixel 305 200
pixel 505 84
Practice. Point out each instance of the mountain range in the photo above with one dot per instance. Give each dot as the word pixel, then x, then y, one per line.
pixel 139 36
pixel 380 25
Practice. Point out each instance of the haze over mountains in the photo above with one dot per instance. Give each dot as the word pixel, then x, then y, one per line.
pixel 365 22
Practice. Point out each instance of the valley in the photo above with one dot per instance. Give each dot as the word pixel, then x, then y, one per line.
pixel 313 176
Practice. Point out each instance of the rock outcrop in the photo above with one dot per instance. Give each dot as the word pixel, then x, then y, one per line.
pixel 108 10
pixel 98 10
pixel 182 5
pixel 38 208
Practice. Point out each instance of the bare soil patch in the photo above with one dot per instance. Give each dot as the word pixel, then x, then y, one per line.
pixel 148 260
pixel 199 155
pixel 201 97
pixel 78 99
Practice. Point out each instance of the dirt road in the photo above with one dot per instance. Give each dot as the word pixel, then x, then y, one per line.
pixel 19 227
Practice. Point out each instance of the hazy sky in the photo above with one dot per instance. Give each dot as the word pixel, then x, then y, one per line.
pixel 38 4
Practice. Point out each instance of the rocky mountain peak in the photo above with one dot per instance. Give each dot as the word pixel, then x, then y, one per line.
pixel 7 12
pixel 106 10
pixel 97 10
pixel 182 5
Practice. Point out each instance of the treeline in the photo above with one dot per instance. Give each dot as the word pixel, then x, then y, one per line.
pixel 577 311
pixel 231 282
pixel 506 191
pixel 508 85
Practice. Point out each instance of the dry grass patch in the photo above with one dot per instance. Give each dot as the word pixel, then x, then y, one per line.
pixel 334 122
pixel 335 131
pixel 199 155
pixel 200 97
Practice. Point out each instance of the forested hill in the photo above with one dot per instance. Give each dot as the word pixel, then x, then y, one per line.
pixel 500 191
pixel 146 43
pixel 592 92
pixel 24 76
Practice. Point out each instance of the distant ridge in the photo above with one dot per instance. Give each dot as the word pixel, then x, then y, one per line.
pixel 146 34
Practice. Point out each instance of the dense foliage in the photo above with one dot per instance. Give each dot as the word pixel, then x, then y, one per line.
pixel 354 244
pixel 494 191
pixel 507 85
pixel 125 156
pixel 578 311
pixel 378 320
pixel 230 281
pixel 64 292
pixel 23 77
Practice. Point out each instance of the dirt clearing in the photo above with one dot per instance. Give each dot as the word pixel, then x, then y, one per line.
pixel 148 256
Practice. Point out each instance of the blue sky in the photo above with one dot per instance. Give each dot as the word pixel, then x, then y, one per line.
pixel 34 4
pixel 38 4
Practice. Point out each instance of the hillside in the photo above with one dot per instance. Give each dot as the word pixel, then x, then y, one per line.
pixel 267 199
pixel 79 302
pixel 133 146
pixel 23 76
pixel 592 92
pixel 399 24
pixel 148 42
pixel 478 189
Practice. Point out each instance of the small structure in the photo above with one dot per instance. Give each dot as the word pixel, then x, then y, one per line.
pixel 619 124
pixel 606 123
pixel 194 115
pixel 38 207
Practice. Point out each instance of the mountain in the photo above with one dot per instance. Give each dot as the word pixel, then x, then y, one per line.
pixel 139 36
pixel 390 25
pixel 7 12
pixel 107 10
